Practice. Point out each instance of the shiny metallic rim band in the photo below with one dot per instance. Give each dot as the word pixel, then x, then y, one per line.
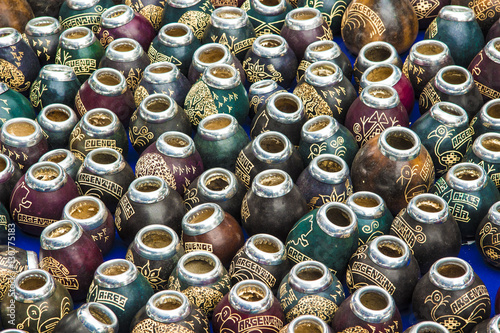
pixel 284 117
pixel 272 191
pixel 172 151
pixel 136 195
pixel 263 257
pixel 34 29
pixel 104 169
pixel 168 316
pixel 367 212
pixel 310 286
pixel 110 19
pixel 457 13
pixel 210 223
pixel 308 319
pixel 322 134
pixel 466 185
pixel 46 185
pixel 84 314
pixel 429 59
pixel 328 177
pixel 21 141
pixel 451 120
pixel 92 222
pixel 175 41
pixel 127 56
pixel 158 117
pixel 308 24
pixel 369 315
pixel 485 119
pixel 491 51
pixel 76 43
pixel 229 23
pixel 115 281
pixel 454 89
pixel 221 83
pixel 245 306
pixel 485 154
pixel 224 194
pixel 446 283
pixel 81 4
pixel 57 126
pixel 423 216
pixel 265 10
pixel 57 73
pixel 376 102
pixel 332 229
pixel 263 87
pixel 201 66
pixel 197 279
pixel 70 163
pixel 9 36
pixel 270 52
pixel 159 78
pixel 377 45
pixel 494 213
pixel 153 253
pixel 382 260
pixel 31 296
pixel 391 80
pixel 181 3
pixel 332 53
pixel 105 89
pixel 428 326
pixel 268 157
pixel 60 242
pixel 399 154
pixel 9 167
pixel 218 134
pixel 322 81
pixel 92 130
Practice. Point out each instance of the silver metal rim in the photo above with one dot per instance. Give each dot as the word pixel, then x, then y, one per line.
pixel 369 315
pixel 21 141
pixel 270 52
pixel 201 66
pixel 60 242
pixel 245 306
pixel 294 24
pixel 84 314
pixel 104 169
pixel 31 296
pixel 105 89
pixel 168 316
pixel 332 229
pixel 485 154
pixel 76 43
pixel 221 133
pixel 9 36
pixel 310 286
pixel 161 78
pixel 322 81
pixel 221 83
pixel 127 56
pixel 322 134
pixel 93 130
pixel 172 151
pixel 328 177
pixel 115 281
pixel 284 117
pixel 158 117
pixel 46 185
pixel 466 185
pixel 152 253
pixel 312 55
pixel 376 102
pixel 262 257
pixel 225 194
pixel 269 157
pixel 447 283
pixel 429 59
pixel 385 261
pixel 391 80
pixel 454 89
pixel 89 223
pixel 111 17
pixel 367 212
pixel 229 23
pixel 427 217
pixel 457 13
pixel 272 191
pixel 136 195
pixel 197 279
pixel 54 72
pixel 175 41
pixel 51 26
pixel 57 126
pixel 202 227
pixel 399 154
pixel 437 111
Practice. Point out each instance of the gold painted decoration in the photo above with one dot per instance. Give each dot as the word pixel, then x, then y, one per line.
pixel 139 95
pixel 13 76
pixel 152 164
pixel 257 72
pixel 98 186
pixel 36 318
pixel 476 299
pixel 314 104
pixel 429 96
pixel 264 28
pixel 140 137
pixel 153 275
pixel 106 38
pixel 313 305
pixel 243 169
pixel 91 20
pixel 492 249
pixel 303 65
pixel 206 298
pixel 411 235
pixel 359 15
pixel 36 93
pixel 80 66
pixel 432 29
pixel 369 127
pixel 199 102
pixel 151 326
pixel 337 10
pixel 197 21
pixel 457 201
pixel 415 70
pixel 232 44
pixel 60 273
pixel 424 9
pixel 227 318
pixel 106 297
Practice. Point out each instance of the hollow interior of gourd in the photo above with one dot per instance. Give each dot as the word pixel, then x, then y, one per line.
pixel 217 182
pixel 390 249
pixel 84 210
pixel 57 115
pixel 338 217
pixel 99 315
pixel 451 270
pixel 217 123
pixel 100 119
pixel 201 215
pixel 199 265
pixel 377 53
pixel 272 144
pixel 32 283
pixel 157 239
pixel 20 128
pixel 60 231
pixel 45 174
pixel 374 301
pixel 104 158
pixel 272 179
pixel 454 76
pixel 430 49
